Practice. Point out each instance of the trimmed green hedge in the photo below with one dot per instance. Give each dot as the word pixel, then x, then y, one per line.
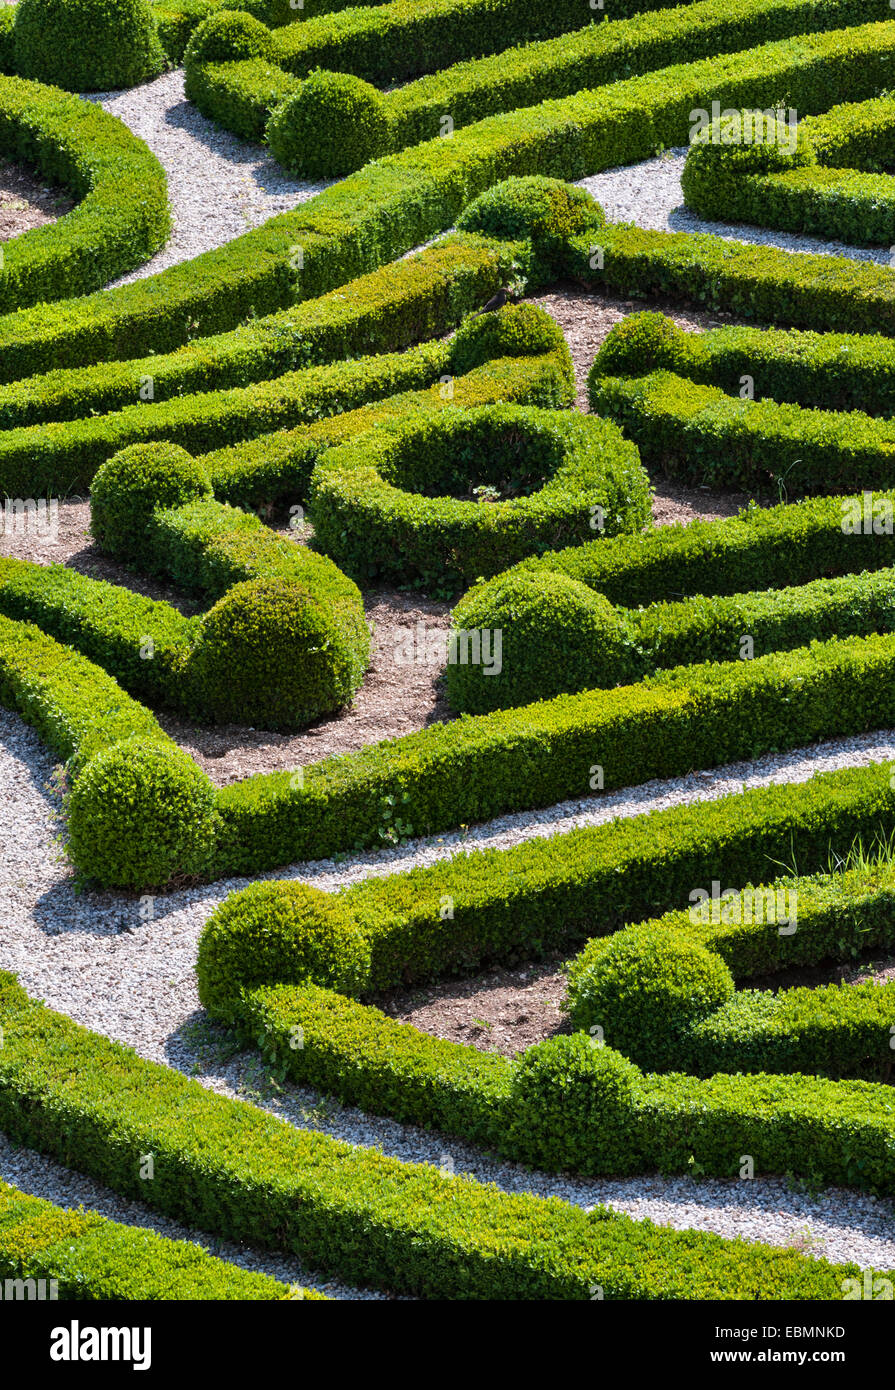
pixel 700 434
pixel 830 371
pixel 240 95
pixel 90 1257
pixel 766 183
pixel 558 635
pixel 404 200
pixel 228 1167
pixel 122 216
pixel 87 45
pixel 442 499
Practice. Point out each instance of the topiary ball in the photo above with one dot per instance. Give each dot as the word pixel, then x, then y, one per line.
pixel 131 485
pixel 269 653
pixel 140 812
pixel 557 635
pixel 279 933
pixel 334 124
pixel 547 212
pixel 644 987
pixel 87 45
pixel 572 1105
pixel 516 330
pixel 642 343
pixel 228 36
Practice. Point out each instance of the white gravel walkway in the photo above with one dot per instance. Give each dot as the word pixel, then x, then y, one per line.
pixel 92 957
pixel 649 194
pixel 219 186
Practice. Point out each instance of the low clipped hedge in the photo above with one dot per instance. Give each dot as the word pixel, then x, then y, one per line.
pixel 669 1003
pixel 571 1101
pixel 400 202
pixel 829 371
pixel 87 45
pixel 89 1257
pixel 392 504
pixel 284 641
pixel 700 434
pixel 367 1217
pixel 559 635
pixel 240 95
pixel 768 184
pixel 122 215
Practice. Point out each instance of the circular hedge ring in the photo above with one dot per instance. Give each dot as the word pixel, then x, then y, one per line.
pixel 449 497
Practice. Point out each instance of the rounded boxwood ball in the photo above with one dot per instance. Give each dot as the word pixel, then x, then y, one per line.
pixel 516 330
pixel 131 485
pixel 270 654
pixel 87 45
pixel 547 212
pixel 644 987
pixel 572 1106
pixel 228 36
pixel 557 636
pixel 140 812
pixel 279 934
pixel 334 124
pixel 641 343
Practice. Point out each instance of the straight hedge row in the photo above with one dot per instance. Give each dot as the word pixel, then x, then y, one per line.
pixel 831 371
pixel 227 1167
pixel 402 201
pixel 90 1257
pixel 122 215
pixel 701 434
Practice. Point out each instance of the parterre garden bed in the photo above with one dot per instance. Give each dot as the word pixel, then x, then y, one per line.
pixel 366 413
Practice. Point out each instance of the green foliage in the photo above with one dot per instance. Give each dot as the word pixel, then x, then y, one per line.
pixel 516 330
pixel 269 934
pixel 392 504
pixel 332 125
pixel 239 1172
pixel 131 485
pixel 546 212
pixel 87 45
pixel 226 36
pixel 140 812
pixel 644 987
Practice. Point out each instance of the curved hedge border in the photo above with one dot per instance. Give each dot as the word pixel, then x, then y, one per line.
pixel 699 433
pixel 400 202
pixel 240 95
pixel 90 1257
pixel 766 185
pixel 122 216
pixel 367 1217
pixel 829 371
pixel 270 956
pixel 385 504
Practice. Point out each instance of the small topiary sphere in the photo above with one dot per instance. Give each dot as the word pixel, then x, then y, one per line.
pixel 557 635
pixel 134 483
pixel 228 36
pixel 642 343
pixel 644 987
pixel 269 653
pixel 334 124
pixel 87 45
pixel 516 330
pixel 140 812
pixel 572 1106
pixel 279 933
pixel 545 211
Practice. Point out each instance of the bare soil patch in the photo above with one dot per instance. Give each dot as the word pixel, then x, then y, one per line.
pixel 27 202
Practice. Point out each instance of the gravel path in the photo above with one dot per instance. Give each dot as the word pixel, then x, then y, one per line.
pixel 93 957
pixel 219 186
pixel 649 194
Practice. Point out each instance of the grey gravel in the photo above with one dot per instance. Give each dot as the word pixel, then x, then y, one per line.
pixel 219 186
pixel 649 194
